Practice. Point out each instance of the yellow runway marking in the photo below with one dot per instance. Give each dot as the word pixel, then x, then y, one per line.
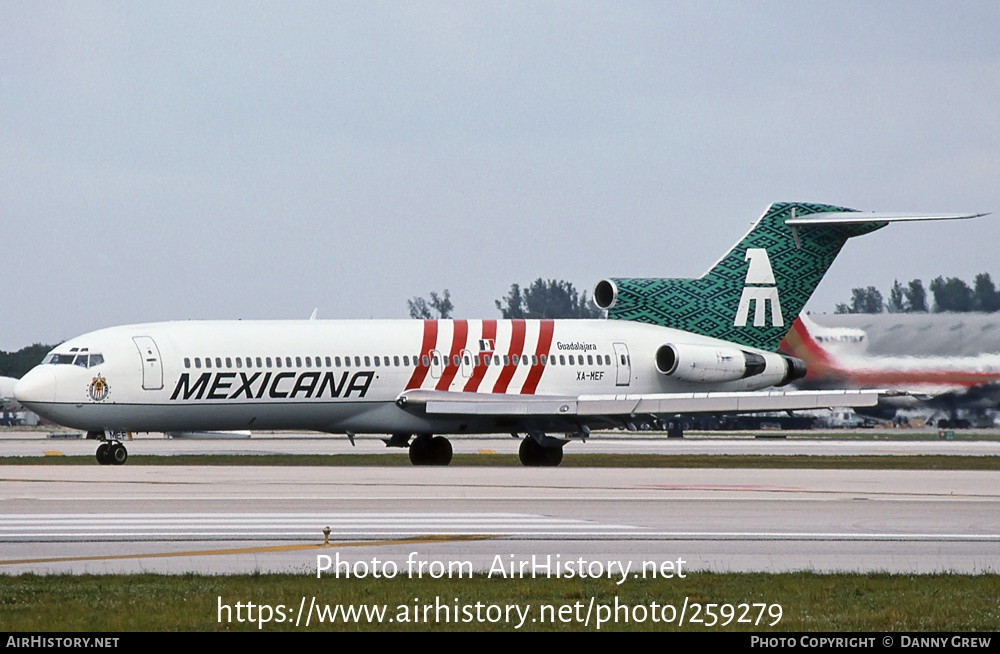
pixel 53 453
pixel 253 550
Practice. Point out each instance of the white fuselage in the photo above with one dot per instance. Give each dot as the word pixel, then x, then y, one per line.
pixel 345 376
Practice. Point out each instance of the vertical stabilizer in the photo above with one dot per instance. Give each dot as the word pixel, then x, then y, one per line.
pixel 752 295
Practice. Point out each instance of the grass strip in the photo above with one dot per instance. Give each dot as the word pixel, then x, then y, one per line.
pixel 809 602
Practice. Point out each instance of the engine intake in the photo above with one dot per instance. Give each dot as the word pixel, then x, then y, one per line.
pixel 605 294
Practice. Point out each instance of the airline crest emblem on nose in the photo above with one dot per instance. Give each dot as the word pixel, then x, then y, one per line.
pixel 760 289
pixel 98 389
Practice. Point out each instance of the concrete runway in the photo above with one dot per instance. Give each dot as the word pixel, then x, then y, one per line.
pixel 871 443
pixel 98 519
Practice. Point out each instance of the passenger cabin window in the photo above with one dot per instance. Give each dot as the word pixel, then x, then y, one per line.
pixel 187 362
pixel 229 362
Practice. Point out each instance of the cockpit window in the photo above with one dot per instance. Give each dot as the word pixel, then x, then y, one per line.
pixel 83 359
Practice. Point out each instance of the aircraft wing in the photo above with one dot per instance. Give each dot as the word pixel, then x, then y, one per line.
pixel 596 406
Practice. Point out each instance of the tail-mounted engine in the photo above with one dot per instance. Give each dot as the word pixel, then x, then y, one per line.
pixel 704 363
pixel 713 364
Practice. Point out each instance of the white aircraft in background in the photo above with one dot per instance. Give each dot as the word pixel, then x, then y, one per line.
pixel 837 357
pixel 671 346
pixel 7 401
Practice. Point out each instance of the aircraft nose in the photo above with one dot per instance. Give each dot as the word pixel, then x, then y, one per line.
pixel 39 385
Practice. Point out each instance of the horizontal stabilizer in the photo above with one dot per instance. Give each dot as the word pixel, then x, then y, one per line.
pixel 450 403
pixel 861 217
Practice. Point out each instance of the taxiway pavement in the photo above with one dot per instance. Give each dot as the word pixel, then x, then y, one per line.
pixel 239 519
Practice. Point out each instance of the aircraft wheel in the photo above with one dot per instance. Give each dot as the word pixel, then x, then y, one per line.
pixel 103 454
pixel 420 451
pixel 440 451
pixel 118 454
pixel 532 454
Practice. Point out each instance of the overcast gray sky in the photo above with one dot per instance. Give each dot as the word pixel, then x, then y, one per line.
pixel 180 160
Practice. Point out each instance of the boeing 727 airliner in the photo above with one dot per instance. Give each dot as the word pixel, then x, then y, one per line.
pixel 669 347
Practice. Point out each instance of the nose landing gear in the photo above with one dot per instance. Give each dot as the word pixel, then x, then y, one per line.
pixel 111 451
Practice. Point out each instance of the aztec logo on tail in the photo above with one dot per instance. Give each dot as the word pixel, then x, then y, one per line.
pixel 759 288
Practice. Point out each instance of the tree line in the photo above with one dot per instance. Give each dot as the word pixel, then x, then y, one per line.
pixel 949 295
pixel 540 299
pixel 15 364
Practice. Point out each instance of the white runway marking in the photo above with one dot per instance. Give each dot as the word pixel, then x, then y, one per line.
pixel 350 526
pixel 278 526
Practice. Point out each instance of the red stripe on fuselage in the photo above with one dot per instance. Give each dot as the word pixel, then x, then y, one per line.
pixel 546 328
pixel 459 335
pixel 479 371
pixel 429 341
pixel 516 347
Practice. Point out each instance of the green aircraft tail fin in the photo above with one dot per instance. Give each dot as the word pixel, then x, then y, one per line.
pixel 753 294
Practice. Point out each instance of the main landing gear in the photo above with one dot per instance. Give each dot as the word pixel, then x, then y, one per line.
pixel 536 449
pixel 110 452
pixel 427 450
pixel 540 452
